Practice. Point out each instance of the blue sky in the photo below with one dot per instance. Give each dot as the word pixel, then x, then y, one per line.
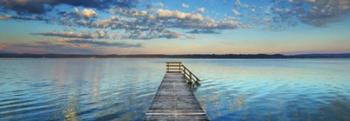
pixel 174 27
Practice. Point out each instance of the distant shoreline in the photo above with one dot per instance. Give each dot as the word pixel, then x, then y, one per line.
pixel 192 56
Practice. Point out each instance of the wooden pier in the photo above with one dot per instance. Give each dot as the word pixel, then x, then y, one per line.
pixel 174 100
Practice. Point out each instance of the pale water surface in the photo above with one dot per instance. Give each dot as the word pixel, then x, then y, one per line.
pixel 122 89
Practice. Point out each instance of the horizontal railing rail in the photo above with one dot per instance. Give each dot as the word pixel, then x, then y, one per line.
pixel 178 67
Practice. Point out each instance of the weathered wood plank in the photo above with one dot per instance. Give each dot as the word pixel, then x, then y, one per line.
pixel 175 101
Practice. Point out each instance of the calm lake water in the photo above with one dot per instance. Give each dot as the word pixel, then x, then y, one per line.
pixel 122 89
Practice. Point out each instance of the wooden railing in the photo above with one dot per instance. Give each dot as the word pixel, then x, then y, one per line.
pixel 173 67
pixel 178 67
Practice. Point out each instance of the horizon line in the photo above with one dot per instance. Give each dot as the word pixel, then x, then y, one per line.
pixel 51 55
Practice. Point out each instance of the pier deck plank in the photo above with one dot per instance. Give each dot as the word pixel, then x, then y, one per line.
pixel 175 101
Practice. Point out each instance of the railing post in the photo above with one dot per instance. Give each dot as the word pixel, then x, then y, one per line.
pixel 190 76
pixel 181 69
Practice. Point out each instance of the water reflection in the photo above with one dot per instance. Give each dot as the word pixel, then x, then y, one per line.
pixel 96 84
pixel 70 113
pixel 271 89
pixel 239 102
pixel 122 89
pixel 77 89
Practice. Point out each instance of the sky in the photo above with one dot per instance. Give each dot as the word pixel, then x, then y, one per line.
pixel 174 26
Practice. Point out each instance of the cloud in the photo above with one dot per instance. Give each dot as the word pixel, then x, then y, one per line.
pixel 104 23
pixel 102 43
pixel 46 47
pixel 4 17
pixel 184 5
pixel 131 23
pixel 153 34
pixel 239 4
pixel 142 13
pixel 86 13
pixel 201 10
pixel 66 46
pixel 42 6
pixel 84 39
pixel 86 43
pixel 236 12
pixel 168 14
pixel 154 21
pixel 151 24
pixel 132 34
pixel 211 24
pixel 2 46
pixel 27 17
pixel 196 31
pixel 312 12
pixel 31 17
pixel 83 35
pixel 155 5
pixel 25 6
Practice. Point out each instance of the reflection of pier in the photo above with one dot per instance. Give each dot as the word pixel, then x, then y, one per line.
pixel 174 99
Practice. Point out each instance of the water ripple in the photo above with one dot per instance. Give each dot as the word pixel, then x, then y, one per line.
pixel 121 89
